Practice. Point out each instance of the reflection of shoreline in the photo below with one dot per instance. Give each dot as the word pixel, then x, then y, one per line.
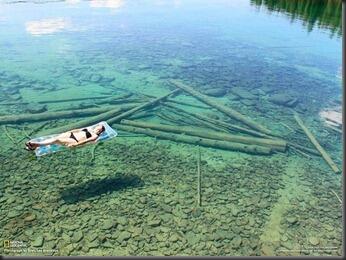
pixel 325 14
pixel 46 26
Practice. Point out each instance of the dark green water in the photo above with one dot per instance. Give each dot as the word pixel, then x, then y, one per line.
pixel 137 195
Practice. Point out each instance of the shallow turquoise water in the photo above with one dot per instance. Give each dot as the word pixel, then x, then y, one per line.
pixel 56 50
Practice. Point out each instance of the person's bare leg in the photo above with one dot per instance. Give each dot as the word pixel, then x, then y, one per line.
pixel 53 140
pixel 42 143
pixel 65 141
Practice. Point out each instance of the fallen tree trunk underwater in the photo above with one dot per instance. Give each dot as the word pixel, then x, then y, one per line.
pixel 276 145
pixel 226 110
pixel 178 117
pixel 220 123
pixel 54 101
pixel 230 146
pixel 145 105
pixel 88 121
pixel 303 148
pixel 193 119
pixel 114 115
pixel 101 100
pixel 111 116
pixel 63 114
pixel 186 104
pixel 313 140
pixel 29 118
pixel 239 129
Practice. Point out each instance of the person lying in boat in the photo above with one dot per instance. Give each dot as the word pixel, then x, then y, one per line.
pixel 71 138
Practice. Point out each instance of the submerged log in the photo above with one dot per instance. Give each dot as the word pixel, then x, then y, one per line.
pixel 138 108
pixel 277 145
pixel 89 121
pixel 313 140
pixel 112 99
pixel 303 148
pixel 55 101
pixel 122 101
pixel 100 100
pixel 334 128
pixel 111 116
pixel 164 115
pixel 144 114
pixel 29 118
pixel 8 134
pixel 191 118
pixel 222 124
pixel 216 124
pixel 186 104
pixel 251 149
pixel 228 111
pixel 32 132
pixel 118 100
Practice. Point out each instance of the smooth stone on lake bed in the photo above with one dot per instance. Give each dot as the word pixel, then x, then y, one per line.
pixel 123 236
pixel 122 221
pixel 38 242
pixel 236 242
pixel 107 224
pixel 91 237
pixel 108 244
pixel 71 227
pixel 283 100
pixel 292 220
pixel 242 93
pixel 16 97
pixel 95 78
pixel 13 213
pixel 314 241
pixel 267 250
pixel 28 232
pixel 234 211
pixel 154 222
pixel 215 92
pixel 93 244
pixel 30 217
pixel 77 236
pixel 36 108
pixel 248 102
pixel 284 238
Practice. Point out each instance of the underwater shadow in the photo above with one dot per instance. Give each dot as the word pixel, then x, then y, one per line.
pixel 96 188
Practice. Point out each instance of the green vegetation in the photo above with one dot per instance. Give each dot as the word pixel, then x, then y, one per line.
pixel 321 13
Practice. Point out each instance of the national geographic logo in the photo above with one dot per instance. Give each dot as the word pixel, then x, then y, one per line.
pixel 13 243
pixel 20 247
pixel 6 243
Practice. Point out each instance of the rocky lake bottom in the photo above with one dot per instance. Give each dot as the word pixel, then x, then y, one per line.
pixel 138 197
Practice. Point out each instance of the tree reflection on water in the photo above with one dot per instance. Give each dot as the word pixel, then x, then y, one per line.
pixel 321 13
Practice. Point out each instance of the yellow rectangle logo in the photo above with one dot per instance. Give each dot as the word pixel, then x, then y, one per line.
pixel 6 243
